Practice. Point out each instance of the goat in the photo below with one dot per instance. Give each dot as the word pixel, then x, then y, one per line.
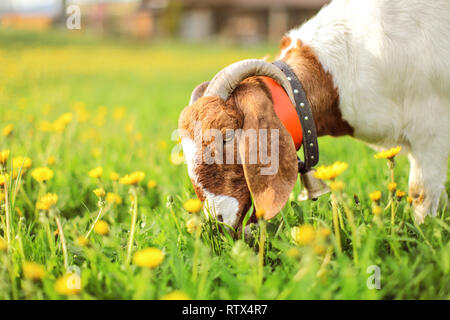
pixel 376 70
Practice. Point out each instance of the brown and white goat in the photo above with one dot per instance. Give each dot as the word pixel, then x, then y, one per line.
pixel 375 70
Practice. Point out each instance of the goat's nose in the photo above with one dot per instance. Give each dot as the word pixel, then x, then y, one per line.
pixel 220 217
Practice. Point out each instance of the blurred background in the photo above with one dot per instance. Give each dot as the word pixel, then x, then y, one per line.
pixel 249 22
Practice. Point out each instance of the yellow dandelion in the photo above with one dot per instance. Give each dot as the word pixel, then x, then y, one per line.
pixel 82 241
pixel 392 186
pixel 3 244
pixel 42 174
pixel 400 194
pixel 96 173
pixel 68 284
pixel 375 196
pixel 337 185
pixel 114 176
pixel 119 113
pixel 4 155
pixel 99 192
pixel 33 270
pixel 6 132
pixel 101 227
pixel 260 213
pixel 175 295
pixel 377 210
pixel 65 118
pixel 324 232
pixel 319 249
pixel 47 201
pixel 113 198
pixel 330 172
pixel 388 154
pixel 3 178
pixel 192 225
pixel 409 199
pixel 303 235
pixel 132 178
pixel 293 253
pixel 21 162
pixel 51 160
pixel 151 184
pixel 193 205
pixel 148 258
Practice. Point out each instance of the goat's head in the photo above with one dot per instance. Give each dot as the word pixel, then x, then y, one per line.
pixel 235 146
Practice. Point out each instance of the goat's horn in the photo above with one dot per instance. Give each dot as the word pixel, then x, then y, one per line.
pixel 224 83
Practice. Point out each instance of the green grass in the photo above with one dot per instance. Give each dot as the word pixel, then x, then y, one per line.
pixel 44 75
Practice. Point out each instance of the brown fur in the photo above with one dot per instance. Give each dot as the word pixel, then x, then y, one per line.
pixel 320 91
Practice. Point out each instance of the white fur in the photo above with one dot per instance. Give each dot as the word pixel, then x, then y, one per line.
pixel 225 206
pixel 391 63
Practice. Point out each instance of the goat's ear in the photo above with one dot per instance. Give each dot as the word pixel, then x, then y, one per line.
pixel 270 178
pixel 198 92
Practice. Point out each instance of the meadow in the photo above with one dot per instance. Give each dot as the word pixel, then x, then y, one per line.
pixel 79 114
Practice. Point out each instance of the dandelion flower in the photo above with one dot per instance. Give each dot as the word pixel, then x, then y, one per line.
pixel 330 172
pixel 400 194
pixel 192 225
pixel 388 154
pixel 175 295
pixel 33 270
pixel 42 174
pixel 47 201
pixel 392 186
pixel 101 227
pixel 293 253
pixel 377 210
pixel 319 249
pixel 132 178
pixel 3 177
pixel 6 132
pixel 51 160
pixel 3 245
pixel 100 192
pixel 151 184
pixel 260 213
pixel 324 232
pixel 113 198
pixel 21 162
pixel 375 196
pixel 4 156
pixel 114 176
pixel 193 205
pixel 409 199
pixel 68 284
pixel 82 241
pixel 337 185
pixel 303 235
pixel 148 258
pixel 96 172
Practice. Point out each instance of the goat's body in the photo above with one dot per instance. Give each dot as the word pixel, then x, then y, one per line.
pixel 390 61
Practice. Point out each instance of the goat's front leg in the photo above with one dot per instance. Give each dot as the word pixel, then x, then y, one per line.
pixel 427 177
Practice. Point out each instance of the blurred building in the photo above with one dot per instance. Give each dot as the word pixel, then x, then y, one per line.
pixel 242 21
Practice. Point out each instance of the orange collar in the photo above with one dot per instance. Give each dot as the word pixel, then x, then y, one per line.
pixel 285 110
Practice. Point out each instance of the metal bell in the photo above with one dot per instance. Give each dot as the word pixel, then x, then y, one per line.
pixel 313 187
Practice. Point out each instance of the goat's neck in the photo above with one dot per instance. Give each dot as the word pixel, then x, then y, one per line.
pixel 320 91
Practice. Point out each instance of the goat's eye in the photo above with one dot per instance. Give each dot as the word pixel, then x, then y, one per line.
pixel 228 136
